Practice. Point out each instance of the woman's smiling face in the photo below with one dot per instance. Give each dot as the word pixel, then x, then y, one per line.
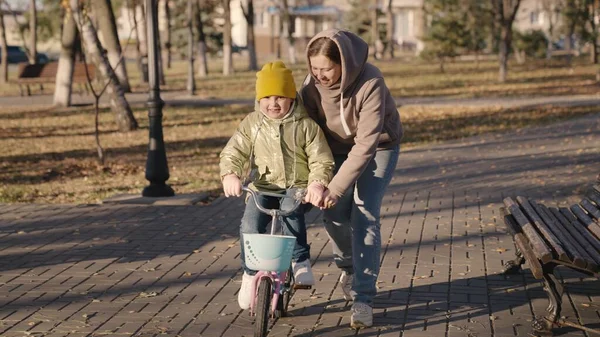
pixel 325 70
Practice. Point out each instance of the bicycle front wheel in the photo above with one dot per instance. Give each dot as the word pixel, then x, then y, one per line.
pixel 263 306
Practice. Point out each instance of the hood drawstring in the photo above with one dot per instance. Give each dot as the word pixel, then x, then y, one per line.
pixel 294 142
pixel 342 118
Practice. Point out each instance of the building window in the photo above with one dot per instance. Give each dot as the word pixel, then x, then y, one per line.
pixel 298 28
pixel 258 19
pixel 404 24
pixel 534 18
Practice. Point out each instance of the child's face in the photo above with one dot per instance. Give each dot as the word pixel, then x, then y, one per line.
pixel 275 107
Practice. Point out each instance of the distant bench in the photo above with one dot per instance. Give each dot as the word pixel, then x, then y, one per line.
pixel 28 74
pixel 548 237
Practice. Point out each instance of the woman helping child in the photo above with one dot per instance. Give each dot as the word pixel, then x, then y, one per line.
pixel 287 150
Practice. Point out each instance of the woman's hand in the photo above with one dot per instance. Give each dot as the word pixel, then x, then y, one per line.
pixel 314 194
pixel 329 200
pixel 232 186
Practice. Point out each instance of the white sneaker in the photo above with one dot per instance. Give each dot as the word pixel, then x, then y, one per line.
pixel 362 316
pixel 346 285
pixel 245 295
pixel 303 276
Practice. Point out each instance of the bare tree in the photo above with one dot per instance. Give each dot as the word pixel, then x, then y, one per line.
pixel 288 26
pixel 250 40
pixel 139 22
pixel 505 12
pixel 191 83
pixel 66 61
pixel 374 29
pixel 4 57
pixel 593 31
pixel 202 59
pixel 107 26
pixel 32 32
pixel 123 114
pixel 390 31
pixel 164 19
pixel 552 10
pixel 21 30
pixel 227 57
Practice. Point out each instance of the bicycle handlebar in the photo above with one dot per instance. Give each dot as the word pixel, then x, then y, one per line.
pixel 298 197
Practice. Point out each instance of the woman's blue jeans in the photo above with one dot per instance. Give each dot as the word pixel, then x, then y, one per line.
pixel 255 221
pixel 353 223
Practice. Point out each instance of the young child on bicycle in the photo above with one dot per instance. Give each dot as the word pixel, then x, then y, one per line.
pixel 287 150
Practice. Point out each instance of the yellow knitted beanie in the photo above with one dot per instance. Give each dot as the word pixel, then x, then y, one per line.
pixel 274 79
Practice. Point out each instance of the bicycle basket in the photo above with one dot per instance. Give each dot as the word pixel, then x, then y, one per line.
pixel 268 252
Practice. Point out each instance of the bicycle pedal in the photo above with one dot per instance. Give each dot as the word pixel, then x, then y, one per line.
pixel 302 286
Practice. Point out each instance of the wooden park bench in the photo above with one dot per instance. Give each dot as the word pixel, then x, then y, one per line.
pixel 28 74
pixel 549 237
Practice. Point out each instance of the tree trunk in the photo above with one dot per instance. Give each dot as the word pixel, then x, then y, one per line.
pixel 505 42
pixel 505 12
pixel 202 60
pixel 594 42
pixel 4 58
pixel 33 33
pixel 250 40
pixel 107 26
pixel 227 57
pixel 374 32
pixel 64 74
pixel 390 31
pixel 191 84
pixel 140 24
pixel 164 18
pixel 289 26
pixel 123 114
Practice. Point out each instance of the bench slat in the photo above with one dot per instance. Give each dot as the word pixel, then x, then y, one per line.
pixel 590 208
pixel 590 224
pixel 591 256
pixel 523 244
pixel 593 196
pixel 541 250
pixel 544 229
pixel 562 235
pixel 581 228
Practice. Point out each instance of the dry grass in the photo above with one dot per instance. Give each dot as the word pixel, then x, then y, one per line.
pixel 48 155
pixel 404 78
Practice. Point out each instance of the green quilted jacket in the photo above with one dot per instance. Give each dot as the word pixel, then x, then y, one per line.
pixel 288 152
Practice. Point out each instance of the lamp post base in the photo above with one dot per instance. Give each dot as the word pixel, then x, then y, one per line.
pixel 158 190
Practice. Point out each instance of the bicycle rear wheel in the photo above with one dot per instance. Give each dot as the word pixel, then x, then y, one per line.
pixel 261 325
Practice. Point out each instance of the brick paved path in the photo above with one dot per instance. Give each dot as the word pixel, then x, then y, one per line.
pixel 123 270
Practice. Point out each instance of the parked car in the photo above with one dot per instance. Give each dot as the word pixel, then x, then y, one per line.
pixel 17 54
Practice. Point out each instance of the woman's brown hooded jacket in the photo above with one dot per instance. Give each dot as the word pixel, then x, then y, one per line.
pixel 358 114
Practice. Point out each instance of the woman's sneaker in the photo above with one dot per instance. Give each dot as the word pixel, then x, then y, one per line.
pixel 303 276
pixel 346 285
pixel 362 316
pixel 245 295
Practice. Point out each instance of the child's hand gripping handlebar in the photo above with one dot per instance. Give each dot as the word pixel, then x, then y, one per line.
pixel 298 198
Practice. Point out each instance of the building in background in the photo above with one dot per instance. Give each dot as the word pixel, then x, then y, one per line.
pixel 313 16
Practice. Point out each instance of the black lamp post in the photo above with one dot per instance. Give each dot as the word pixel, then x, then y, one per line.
pixel 157 170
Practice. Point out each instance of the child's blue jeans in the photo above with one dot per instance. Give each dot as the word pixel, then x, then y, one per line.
pixel 255 221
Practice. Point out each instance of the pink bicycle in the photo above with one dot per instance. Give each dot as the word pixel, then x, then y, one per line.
pixel 271 256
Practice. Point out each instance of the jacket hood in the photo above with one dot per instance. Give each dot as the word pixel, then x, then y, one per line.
pixel 353 53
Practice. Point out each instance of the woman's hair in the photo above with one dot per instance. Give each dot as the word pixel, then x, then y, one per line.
pixel 326 47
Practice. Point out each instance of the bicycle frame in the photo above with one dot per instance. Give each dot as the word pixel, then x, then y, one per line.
pixel 277 281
